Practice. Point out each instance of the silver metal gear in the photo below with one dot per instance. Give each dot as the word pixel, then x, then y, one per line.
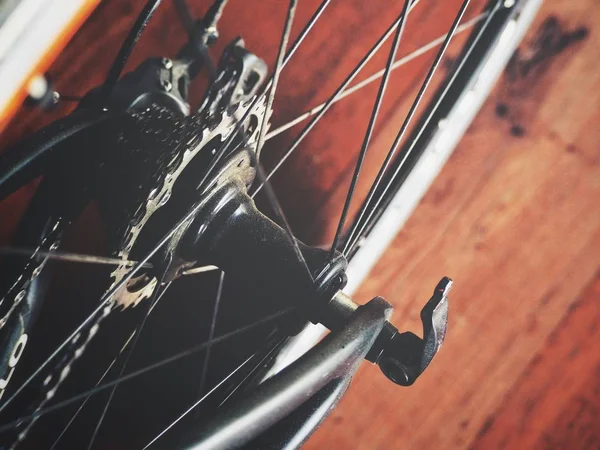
pixel 143 285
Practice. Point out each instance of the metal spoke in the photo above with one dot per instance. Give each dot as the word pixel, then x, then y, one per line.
pixel 405 124
pixel 127 342
pixel 277 72
pixel 212 69
pixel 105 300
pixel 369 133
pixel 108 295
pixel 377 75
pixel 100 380
pixel 185 17
pixel 193 350
pixel 272 348
pixel 156 297
pixel 335 96
pixel 303 33
pixel 204 397
pixel 214 13
pixel 209 21
pixel 70 257
pixel 260 172
pixel 126 48
pixel 268 354
pixel 211 332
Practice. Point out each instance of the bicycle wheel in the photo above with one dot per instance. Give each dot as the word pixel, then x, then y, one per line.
pixel 175 193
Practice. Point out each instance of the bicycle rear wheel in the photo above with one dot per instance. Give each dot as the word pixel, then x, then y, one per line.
pixel 495 35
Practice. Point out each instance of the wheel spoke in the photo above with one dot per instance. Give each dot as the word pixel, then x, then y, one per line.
pixel 304 33
pixel 70 257
pixel 214 13
pixel 268 354
pixel 209 21
pixel 190 351
pixel 376 76
pixel 156 297
pixel 212 69
pixel 211 332
pixel 369 133
pixel 388 159
pixel 271 197
pixel 204 397
pixel 334 97
pixel 138 330
pixel 105 300
pixel 184 13
pixel 291 12
pixel 100 380
pixel 126 48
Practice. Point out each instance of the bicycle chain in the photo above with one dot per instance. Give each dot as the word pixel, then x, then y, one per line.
pixel 14 305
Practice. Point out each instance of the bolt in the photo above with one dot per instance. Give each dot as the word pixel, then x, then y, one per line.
pixel 167 63
pixel 509 3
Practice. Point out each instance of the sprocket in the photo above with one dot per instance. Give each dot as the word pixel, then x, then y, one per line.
pixel 195 137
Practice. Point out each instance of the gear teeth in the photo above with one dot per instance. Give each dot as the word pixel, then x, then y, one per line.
pixel 154 201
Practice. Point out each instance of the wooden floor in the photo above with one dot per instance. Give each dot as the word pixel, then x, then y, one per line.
pixel 514 219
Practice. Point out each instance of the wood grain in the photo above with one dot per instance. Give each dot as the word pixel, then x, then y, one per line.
pixel 555 402
pixel 513 218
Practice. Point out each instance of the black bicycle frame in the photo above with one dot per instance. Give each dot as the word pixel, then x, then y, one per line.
pixel 315 382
